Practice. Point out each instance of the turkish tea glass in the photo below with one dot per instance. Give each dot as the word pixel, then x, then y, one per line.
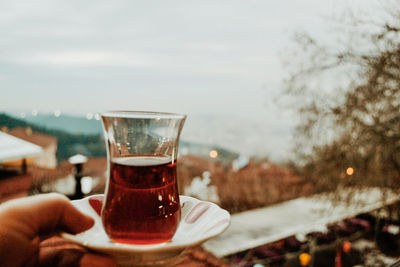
pixel 141 203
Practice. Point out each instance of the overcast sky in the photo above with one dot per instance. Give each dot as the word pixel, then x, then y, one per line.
pixel 207 57
pixel 184 56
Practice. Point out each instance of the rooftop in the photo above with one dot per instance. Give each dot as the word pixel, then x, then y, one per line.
pixel 37 138
pixel 13 148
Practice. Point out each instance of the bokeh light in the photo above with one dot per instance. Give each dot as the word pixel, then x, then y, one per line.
pixel 349 171
pixel 346 246
pixel 304 259
pixel 213 153
pixel 89 116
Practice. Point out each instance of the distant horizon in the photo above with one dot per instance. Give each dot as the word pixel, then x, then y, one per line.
pixel 228 133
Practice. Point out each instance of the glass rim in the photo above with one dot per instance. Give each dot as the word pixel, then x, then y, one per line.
pixel 136 114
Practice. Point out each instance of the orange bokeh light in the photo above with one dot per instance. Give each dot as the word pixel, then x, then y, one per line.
pixel 304 259
pixel 350 171
pixel 346 246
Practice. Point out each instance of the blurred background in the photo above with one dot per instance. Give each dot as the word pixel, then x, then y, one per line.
pixel 289 104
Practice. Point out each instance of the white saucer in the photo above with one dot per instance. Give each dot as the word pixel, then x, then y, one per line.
pixel 200 221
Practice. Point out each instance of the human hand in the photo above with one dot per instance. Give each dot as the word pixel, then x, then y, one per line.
pixel 25 222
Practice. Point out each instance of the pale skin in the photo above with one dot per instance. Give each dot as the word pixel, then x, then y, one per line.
pixel 25 222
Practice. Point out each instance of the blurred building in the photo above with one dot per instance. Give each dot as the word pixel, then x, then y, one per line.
pixel 28 165
pixel 15 155
pixel 248 184
pixel 48 143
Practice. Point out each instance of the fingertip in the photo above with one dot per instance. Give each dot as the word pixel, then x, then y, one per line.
pixel 88 223
pixel 80 222
pixel 70 219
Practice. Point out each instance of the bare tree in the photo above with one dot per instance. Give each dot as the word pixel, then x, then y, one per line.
pixel 347 94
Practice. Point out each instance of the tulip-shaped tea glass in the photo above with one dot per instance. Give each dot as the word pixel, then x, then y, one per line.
pixel 141 198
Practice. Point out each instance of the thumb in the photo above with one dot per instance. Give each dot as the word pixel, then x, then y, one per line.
pixel 45 214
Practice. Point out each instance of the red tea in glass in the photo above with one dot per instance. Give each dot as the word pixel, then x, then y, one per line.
pixel 141 202
pixel 142 206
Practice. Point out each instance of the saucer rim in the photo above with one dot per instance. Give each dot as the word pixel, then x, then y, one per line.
pixel 143 249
